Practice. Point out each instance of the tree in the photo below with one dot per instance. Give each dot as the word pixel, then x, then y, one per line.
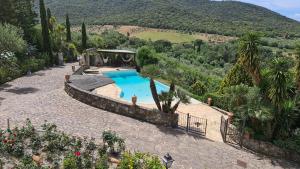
pixel 8 12
pixel 68 26
pixel 83 36
pixel 297 52
pixel 164 100
pixel 278 91
pixel 197 44
pixel 146 56
pixel 248 53
pixel 26 17
pixel 18 13
pixel 236 76
pixel 49 17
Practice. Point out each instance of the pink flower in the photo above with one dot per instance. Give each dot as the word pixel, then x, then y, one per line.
pixel 77 153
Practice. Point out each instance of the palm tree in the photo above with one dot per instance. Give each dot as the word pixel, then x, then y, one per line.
pixel 164 100
pixel 297 52
pixel 278 91
pixel 248 52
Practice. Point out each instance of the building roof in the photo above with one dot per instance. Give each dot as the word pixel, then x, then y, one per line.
pixel 115 51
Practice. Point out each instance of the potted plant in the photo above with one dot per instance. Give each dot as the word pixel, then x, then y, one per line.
pixel 134 100
pixel 73 68
pixel 230 117
pixel 209 101
pixel 248 132
pixel 67 78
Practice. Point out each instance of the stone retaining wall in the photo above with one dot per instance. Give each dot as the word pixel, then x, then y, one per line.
pixel 271 150
pixel 122 108
pixel 266 148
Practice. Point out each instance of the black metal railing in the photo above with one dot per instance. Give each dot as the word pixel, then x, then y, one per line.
pixel 192 124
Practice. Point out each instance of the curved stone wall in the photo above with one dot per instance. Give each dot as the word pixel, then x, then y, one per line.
pixel 122 108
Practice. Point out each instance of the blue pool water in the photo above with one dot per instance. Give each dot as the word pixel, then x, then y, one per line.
pixel 131 83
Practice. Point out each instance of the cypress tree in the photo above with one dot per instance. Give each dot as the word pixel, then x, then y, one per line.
pixel 45 32
pixel 68 25
pixel 49 16
pixel 83 36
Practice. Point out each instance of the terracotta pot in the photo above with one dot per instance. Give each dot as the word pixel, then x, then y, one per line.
pixel 209 101
pixel 134 100
pixel 67 78
pixel 230 117
pixel 73 68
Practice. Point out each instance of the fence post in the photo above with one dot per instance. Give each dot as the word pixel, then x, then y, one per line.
pixel 187 122
pixel 205 126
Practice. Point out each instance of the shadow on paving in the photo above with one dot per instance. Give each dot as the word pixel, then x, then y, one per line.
pixel 1 99
pixel 25 90
pixel 4 86
pixel 178 132
pixel 274 161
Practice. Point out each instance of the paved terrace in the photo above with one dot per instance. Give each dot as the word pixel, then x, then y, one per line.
pixel 41 97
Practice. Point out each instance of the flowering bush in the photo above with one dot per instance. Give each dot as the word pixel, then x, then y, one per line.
pixel 50 148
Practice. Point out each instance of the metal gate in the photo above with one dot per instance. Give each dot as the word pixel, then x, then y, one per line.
pixel 192 124
pixel 223 128
pixel 230 133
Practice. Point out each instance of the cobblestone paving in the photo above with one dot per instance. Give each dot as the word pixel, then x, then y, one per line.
pixel 41 97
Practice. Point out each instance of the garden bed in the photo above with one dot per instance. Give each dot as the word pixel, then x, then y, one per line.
pixel 30 148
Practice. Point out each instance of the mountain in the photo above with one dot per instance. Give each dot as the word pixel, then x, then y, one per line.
pixel 221 17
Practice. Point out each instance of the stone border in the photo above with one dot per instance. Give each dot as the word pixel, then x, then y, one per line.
pixel 123 108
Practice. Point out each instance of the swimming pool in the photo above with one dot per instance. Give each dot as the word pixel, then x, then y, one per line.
pixel 131 83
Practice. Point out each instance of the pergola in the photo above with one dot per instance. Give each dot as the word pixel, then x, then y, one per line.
pixel 107 57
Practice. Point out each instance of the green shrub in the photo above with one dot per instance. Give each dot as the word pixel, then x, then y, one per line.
pixel 151 71
pixel 11 39
pixel 70 162
pixel 33 65
pixel 198 88
pixel 292 143
pixel 9 69
pixel 146 56
pixel 140 160
pixel 102 162
pixel 218 100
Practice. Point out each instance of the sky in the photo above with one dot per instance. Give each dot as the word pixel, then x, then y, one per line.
pixel 289 8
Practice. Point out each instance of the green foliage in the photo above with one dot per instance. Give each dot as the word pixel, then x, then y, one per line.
pixel 162 45
pixel 139 160
pixel 297 52
pixel 189 16
pixel 236 76
pixel 9 69
pixel 68 26
pixel 164 100
pixel 45 32
pixel 248 53
pixel 199 88
pixel 70 162
pixel 18 13
pixel 83 37
pixel 113 39
pixel 11 39
pixel 102 162
pixel 115 143
pixel 146 56
pixel 32 65
pixel 292 143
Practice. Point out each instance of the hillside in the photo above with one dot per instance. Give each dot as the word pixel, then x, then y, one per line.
pixel 225 17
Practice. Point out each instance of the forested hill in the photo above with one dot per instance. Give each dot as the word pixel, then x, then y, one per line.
pixel 222 17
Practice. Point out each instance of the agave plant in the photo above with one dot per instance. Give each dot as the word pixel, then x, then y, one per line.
pixel 164 100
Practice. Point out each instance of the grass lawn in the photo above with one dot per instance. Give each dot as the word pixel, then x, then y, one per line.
pixel 174 37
